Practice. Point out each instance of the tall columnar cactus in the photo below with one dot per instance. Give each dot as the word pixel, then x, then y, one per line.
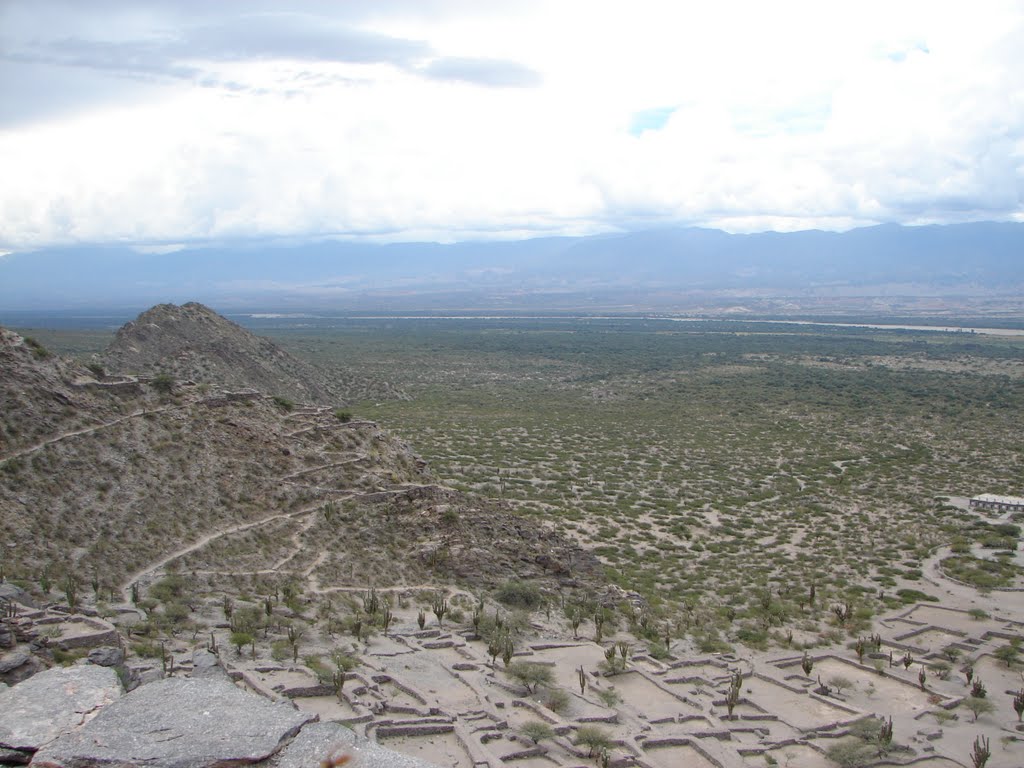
pixel 440 608
pixel 806 664
pixel 732 696
pixel 981 752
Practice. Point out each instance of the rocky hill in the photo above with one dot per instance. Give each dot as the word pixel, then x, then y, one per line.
pixel 146 519
pixel 192 342
pixel 111 480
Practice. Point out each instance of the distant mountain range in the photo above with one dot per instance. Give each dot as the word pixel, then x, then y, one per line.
pixel 648 268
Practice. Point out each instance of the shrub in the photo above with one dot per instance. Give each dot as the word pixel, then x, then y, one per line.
pixel 593 738
pixel 343 416
pixel 557 700
pixel 852 754
pixel 520 594
pixel 536 731
pixel 38 349
pixel 609 697
pixel 531 674
pixel 284 403
pixel 163 383
pixel 168 589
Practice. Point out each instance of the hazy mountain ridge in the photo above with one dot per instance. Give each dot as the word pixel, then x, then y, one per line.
pixel 963 258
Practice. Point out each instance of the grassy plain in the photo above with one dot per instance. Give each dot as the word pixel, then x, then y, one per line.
pixel 710 464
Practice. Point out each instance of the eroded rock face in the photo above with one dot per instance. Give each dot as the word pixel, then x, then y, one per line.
pixel 178 723
pixel 59 700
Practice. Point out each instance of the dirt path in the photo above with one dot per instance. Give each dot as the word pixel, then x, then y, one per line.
pixel 332 465
pixel 85 431
pixel 200 543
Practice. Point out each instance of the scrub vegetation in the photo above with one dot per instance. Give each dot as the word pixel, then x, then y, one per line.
pixel 743 477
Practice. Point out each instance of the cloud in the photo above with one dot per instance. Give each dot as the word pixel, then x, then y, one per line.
pixel 160 249
pixel 488 72
pixel 168 122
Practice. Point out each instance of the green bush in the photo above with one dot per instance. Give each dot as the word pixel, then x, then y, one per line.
pixel 163 383
pixel 536 731
pixel 37 349
pixel 593 738
pixel 531 674
pixel 520 594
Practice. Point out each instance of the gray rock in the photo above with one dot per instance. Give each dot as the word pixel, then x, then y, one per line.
pixel 107 656
pixel 15 594
pixel 206 664
pixel 53 702
pixel 13 660
pixel 320 741
pixel 178 723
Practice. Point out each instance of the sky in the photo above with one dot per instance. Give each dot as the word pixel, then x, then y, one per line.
pixel 160 123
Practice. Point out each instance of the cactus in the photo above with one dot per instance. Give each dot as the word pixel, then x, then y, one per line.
pixel 806 664
pixel 981 753
pixel 574 620
pixel 71 591
pixel 732 697
pixel 338 681
pixel 371 602
pixel 583 681
pixel 440 608
pixel 885 734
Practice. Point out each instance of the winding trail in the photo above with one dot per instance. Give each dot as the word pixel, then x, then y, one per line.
pixel 125 588
pixel 149 570
pixel 86 430
pixel 332 465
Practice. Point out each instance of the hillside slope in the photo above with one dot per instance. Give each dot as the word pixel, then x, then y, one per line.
pixel 114 481
pixel 192 342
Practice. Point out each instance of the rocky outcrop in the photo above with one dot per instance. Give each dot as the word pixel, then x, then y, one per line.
pixel 178 723
pixel 76 718
pixel 57 701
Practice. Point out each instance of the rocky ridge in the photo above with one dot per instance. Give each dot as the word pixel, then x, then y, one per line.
pixel 192 342
pixel 102 478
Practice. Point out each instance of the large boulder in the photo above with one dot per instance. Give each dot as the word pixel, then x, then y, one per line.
pixel 320 741
pixel 54 702
pixel 179 723
pixel 18 665
pixel 15 594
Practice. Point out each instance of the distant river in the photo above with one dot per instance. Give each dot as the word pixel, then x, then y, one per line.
pixel 879 326
pixel 884 327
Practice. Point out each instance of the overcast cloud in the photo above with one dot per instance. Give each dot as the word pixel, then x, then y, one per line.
pixel 169 122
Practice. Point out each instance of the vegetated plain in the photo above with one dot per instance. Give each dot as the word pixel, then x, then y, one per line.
pixel 742 477
pixel 723 470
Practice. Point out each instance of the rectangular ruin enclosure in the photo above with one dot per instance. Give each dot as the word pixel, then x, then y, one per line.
pixel 800 710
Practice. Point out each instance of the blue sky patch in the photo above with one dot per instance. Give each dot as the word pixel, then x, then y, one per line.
pixel 650 120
